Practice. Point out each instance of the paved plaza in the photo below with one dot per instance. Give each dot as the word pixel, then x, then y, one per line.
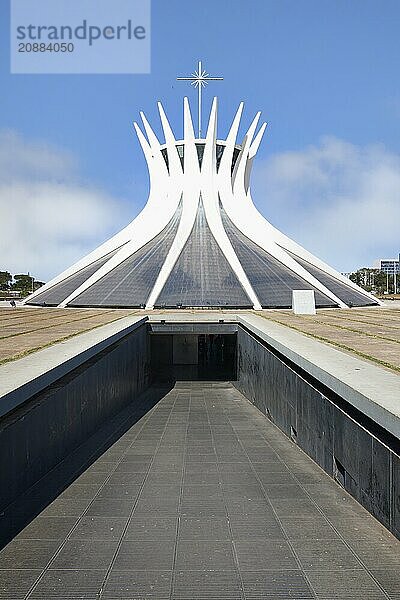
pixel 371 333
pixel 26 330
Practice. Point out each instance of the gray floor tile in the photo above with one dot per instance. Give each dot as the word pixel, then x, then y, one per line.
pixel 196 457
pixel 152 529
pixel 14 584
pixel 276 585
pixel 337 508
pixel 204 555
pixel 27 554
pixel 69 585
pixel 247 478
pixel 110 507
pixel 167 477
pixel 269 468
pixel 139 555
pixel 202 491
pixel 204 529
pixel 389 580
pixel 99 528
pixel 81 490
pixel 129 491
pixel 85 555
pixel 207 585
pixel 92 477
pixel 48 528
pixel 165 490
pixel 66 507
pixel 243 491
pixel 313 477
pixel 361 528
pixel 247 506
pixel 126 479
pixel 101 467
pixel 201 468
pixel 324 555
pixel 297 528
pixel 252 527
pixel 140 456
pixel 203 507
pixel 288 507
pixel 138 585
pixel 201 478
pixel 275 478
pixel 377 554
pixel 344 584
pixel 328 488
pixel 132 467
pixel 162 466
pixel 259 555
pixel 235 467
pixel 284 491
pixel 157 506
pixel 228 457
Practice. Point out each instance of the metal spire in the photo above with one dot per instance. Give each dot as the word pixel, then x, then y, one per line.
pixel 199 79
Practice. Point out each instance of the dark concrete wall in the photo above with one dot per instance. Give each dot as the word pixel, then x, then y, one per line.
pixel 38 435
pixel 366 466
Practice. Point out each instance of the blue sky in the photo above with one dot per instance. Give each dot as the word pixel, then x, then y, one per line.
pixel 323 73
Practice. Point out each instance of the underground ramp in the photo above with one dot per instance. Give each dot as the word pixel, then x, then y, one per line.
pixel 202 498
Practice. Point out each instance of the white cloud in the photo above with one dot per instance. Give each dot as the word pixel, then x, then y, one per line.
pixel 339 200
pixel 32 160
pixel 49 217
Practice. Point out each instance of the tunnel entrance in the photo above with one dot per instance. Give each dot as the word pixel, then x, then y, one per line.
pixel 193 356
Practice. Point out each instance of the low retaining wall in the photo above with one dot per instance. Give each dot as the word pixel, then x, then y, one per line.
pixel 77 396
pixel 360 454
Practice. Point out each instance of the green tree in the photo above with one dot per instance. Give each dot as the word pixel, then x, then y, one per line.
pixel 37 284
pixel 380 281
pixel 371 280
pixel 356 277
pixel 5 280
pixel 22 283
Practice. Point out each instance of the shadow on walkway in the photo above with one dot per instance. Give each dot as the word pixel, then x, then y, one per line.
pixel 21 512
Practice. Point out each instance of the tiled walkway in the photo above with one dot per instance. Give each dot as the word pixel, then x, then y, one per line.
pixel 202 498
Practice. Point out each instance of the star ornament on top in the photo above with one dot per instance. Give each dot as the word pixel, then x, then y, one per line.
pixel 199 79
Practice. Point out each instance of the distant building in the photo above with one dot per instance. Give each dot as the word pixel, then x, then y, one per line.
pixel 389 266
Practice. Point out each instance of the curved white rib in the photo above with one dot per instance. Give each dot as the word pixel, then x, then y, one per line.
pixel 211 207
pixel 236 206
pixel 118 240
pixel 285 242
pixel 226 160
pixel 241 162
pixel 155 216
pixel 175 167
pixel 288 244
pixel 190 190
pixel 258 235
